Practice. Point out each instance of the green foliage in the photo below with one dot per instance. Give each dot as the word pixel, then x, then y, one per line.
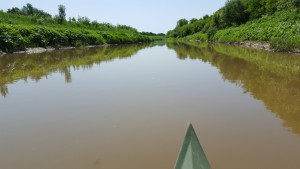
pixel 281 29
pixel 193 20
pixel 197 37
pixel 255 9
pixel 18 31
pixel 10 39
pixel 153 34
pixel 285 44
pixel 195 26
pixel 61 14
pixel 182 22
pixel 234 13
pixel 14 38
pixel 29 10
pixel 296 3
pixel 211 32
pixel 14 11
pixel 276 21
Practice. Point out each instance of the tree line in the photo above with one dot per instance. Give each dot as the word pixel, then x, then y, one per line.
pixel 43 17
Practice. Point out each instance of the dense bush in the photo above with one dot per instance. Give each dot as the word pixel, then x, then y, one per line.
pixel 29 10
pixel 281 29
pixel 31 27
pixel 234 13
pixel 17 37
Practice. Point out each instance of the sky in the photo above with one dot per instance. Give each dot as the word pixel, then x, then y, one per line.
pixel 156 16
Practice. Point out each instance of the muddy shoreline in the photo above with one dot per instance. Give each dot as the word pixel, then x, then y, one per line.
pixel 47 49
pixel 254 45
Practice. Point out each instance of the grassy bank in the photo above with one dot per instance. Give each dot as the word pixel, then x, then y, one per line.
pixel 18 32
pixel 282 30
pixel 274 21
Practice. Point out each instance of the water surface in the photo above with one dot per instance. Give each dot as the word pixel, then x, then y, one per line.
pixel 128 106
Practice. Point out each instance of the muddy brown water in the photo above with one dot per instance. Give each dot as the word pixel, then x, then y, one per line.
pixel 127 107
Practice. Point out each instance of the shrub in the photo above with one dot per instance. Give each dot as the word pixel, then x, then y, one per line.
pixel 18 37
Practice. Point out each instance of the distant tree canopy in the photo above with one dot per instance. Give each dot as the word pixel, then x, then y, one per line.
pixel 182 22
pixel 258 8
pixel 153 34
pixel 193 20
pixel 29 10
pixel 234 13
pixel 37 16
pixel 61 14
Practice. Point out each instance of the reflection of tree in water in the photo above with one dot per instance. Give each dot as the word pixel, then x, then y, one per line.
pixel 66 71
pixel 3 90
pixel 37 66
pixel 280 92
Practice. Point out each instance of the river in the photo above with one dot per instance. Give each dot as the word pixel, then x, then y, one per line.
pixel 128 106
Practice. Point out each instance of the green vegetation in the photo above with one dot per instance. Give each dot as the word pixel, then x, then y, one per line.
pixel 273 78
pixel 155 36
pixel 29 10
pixel 31 27
pixel 61 14
pixel 275 21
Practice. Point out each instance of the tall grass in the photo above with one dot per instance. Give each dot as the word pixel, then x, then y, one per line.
pixel 285 44
pixel 282 30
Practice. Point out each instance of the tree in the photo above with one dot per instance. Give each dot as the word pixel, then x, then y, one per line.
pixel 193 20
pixel 14 11
pixel 255 8
pixel 271 6
pixel 28 9
pixel 216 20
pixel 182 22
pixel 296 3
pixel 211 32
pixel 61 14
pixel 234 13
pixel 83 20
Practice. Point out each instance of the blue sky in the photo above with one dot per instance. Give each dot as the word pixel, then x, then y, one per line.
pixel 145 15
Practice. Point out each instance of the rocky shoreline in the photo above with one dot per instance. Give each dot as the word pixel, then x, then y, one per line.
pixel 260 45
pixel 256 45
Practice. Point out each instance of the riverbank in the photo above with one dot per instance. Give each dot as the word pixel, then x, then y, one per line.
pixel 19 33
pixel 280 27
pixel 256 45
pixel 267 46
